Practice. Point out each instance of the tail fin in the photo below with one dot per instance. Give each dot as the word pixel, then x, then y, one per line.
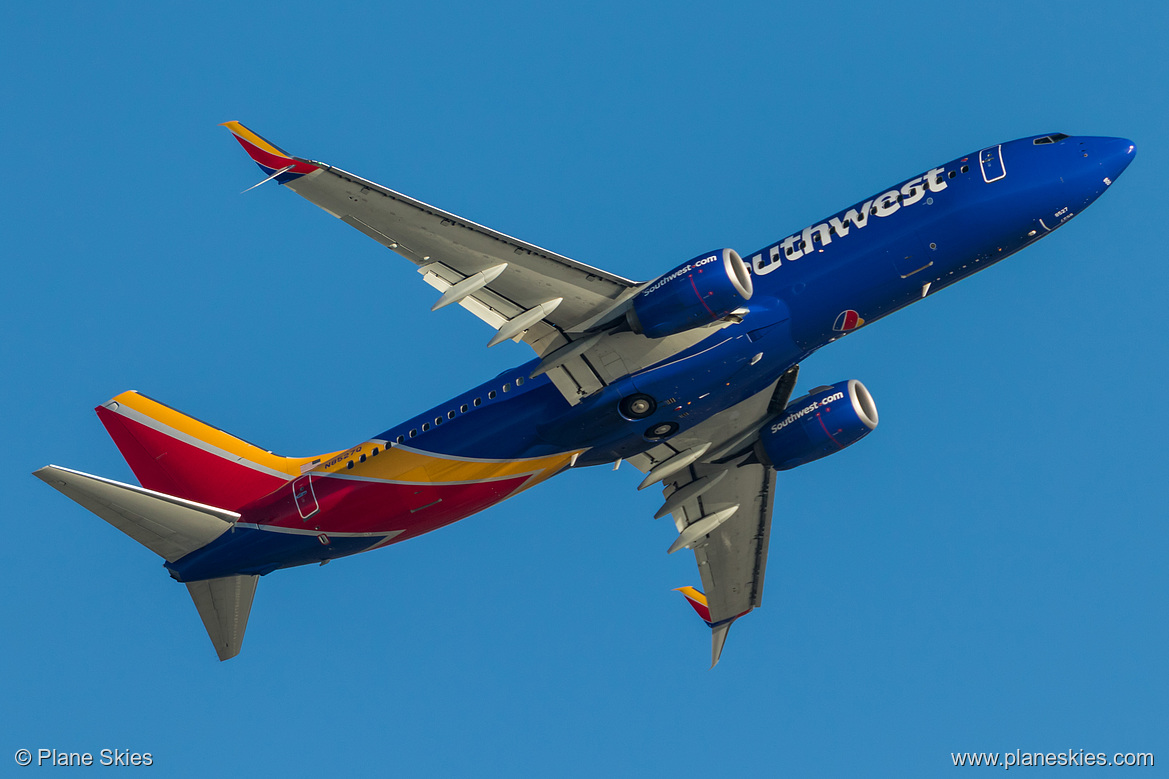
pixel 171 527
pixel 173 453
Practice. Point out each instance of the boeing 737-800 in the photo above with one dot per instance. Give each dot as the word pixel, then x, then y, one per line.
pixel 689 377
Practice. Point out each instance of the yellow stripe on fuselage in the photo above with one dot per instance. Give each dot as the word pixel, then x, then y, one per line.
pixel 395 464
pixel 409 465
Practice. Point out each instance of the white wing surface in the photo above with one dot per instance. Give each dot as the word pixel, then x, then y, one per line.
pixel 523 291
pixel 721 502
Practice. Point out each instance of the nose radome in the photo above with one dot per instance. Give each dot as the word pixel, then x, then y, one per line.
pixel 1116 154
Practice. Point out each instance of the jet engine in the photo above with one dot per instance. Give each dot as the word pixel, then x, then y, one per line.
pixel 696 293
pixel 824 421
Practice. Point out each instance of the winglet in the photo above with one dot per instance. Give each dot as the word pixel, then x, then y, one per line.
pixel 274 161
pixel 718 637
pixel 718 631
pixel 698 600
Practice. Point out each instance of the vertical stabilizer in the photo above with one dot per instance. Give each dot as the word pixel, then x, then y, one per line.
pixel 224 605
pixel 179 455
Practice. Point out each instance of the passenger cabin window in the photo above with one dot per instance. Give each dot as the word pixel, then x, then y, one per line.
pixel 519 380
pixel 478 401
pixel 413 433
pixel 491 395
pixel 507 387
pixel 402 439
pixel 363 458
pixel 463 408
pixel 450 415
pixel 425 426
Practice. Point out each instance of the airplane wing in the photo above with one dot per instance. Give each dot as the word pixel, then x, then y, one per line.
pixel 562 308
pixel 732 556
pixel 524 292
pixel 721 499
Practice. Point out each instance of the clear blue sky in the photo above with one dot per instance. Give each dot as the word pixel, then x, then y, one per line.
pixel 987 572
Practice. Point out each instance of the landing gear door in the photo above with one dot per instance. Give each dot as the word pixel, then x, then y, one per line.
pixel 305 496
pixel 991 161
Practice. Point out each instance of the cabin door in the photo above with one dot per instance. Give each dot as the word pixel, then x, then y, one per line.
pixel 305 496
pixel 991 161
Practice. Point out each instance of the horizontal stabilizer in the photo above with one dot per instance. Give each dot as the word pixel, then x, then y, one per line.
pixel 168 526
pixel 224 605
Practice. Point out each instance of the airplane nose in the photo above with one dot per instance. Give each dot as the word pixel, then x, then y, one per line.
pixel 1116 154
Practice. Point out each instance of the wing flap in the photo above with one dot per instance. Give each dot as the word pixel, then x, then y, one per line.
pixel 493 310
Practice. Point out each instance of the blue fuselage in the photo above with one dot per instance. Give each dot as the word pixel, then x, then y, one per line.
pixel 810 288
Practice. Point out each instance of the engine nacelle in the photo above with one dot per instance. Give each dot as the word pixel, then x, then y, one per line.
pixel 694 294
pixel 822 422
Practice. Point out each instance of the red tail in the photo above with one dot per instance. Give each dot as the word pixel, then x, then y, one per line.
pixel 173 453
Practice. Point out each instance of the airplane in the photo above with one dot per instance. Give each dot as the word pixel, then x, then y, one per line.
pixel 688 377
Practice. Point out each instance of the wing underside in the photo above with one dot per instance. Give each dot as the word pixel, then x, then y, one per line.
pixel 732 552
pixel 721 502
pixel 733 559
pixel 558 306
pixel 449 250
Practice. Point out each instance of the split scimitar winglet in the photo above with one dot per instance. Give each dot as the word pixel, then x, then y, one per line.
pixel 280 172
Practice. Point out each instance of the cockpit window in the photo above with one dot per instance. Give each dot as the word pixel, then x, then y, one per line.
pixel 1050 138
